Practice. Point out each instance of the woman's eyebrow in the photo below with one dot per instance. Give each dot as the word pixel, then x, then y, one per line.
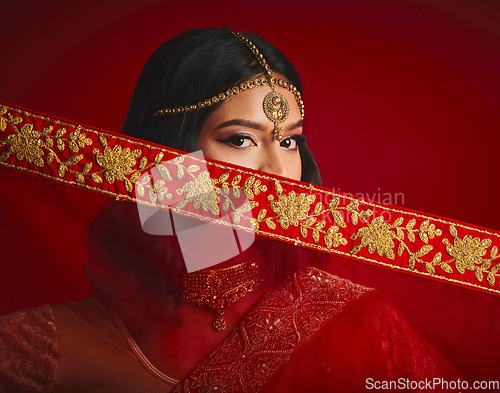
pixel 241 122
pixel 294 126
pixel 254 125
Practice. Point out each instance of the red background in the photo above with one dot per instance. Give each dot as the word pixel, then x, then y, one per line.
pixel 401 97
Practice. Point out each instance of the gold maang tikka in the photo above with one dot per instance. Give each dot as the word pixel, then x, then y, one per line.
pixel 275 105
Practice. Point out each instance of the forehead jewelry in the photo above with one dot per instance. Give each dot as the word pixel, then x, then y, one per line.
pixel 275 105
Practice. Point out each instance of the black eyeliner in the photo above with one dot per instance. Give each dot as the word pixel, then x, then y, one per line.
pixel 232 138
pixel 299 138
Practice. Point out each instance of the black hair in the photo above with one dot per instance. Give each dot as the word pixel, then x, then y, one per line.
pixel 194 66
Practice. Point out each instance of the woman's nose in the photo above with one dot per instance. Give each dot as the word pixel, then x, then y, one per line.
pixel 272 160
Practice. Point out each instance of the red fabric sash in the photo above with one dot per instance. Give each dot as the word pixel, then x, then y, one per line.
pixel 309 216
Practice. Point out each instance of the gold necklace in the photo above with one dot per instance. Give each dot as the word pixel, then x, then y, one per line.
pixel 219 288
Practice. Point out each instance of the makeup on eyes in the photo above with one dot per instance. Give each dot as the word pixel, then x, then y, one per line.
pixel 235 140
pixel 299 139
pixel 242 141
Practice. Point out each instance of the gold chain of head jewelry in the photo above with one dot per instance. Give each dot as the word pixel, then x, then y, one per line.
pixel 231 92
pixel 275 105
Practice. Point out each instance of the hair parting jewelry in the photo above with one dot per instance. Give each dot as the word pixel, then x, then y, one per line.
pixel 275 105
pixel 219 288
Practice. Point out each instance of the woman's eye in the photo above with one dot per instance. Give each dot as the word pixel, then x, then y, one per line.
pixel 289 143
pixel 240 141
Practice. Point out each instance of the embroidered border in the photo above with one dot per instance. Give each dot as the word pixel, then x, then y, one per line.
pixel 276 329
pixel 293 212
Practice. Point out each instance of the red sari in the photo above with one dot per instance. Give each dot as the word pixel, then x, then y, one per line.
pixel 316 331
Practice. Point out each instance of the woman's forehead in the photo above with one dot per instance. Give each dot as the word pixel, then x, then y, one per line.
pixel 249 105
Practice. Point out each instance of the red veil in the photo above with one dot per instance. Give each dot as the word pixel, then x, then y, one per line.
pixel 59 176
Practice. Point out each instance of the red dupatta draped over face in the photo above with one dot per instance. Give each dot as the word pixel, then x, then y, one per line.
pixel 444 275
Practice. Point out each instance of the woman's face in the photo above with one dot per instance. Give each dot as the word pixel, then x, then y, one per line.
pixel 238 132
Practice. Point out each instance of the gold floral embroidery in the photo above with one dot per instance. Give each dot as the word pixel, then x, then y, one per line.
pixel 333 238
pixel 25 144
pixel 231 191
pixel 468 253
pixel 381 236
pixel 212 195
pixel 157 191
pixel 10 119
pixel 47 146
pixel 3 120
pixel 200 192
pixel 352 209
pixel 309 216
pixel 292 208
pixel 117 162
pixel 295 209
pixel 378 237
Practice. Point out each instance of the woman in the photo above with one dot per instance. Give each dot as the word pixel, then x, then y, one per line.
pixel 280 324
